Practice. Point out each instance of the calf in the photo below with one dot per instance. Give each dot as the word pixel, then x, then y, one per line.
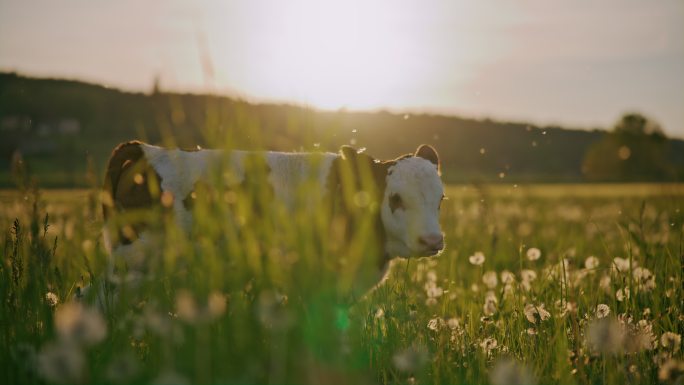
pixel 408 191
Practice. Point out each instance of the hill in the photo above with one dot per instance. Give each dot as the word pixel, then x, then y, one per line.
pixel 56 125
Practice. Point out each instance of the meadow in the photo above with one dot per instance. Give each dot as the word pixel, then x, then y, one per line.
pixel 569 284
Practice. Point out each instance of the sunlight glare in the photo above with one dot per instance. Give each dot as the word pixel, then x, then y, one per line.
pixel 334 54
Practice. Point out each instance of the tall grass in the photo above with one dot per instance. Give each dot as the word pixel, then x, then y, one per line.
pixel 257 293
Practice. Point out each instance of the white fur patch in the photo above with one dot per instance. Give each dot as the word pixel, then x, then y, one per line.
pixel 290 171
pixel 179 171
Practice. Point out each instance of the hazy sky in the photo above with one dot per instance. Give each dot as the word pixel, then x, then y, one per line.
pixel 580 63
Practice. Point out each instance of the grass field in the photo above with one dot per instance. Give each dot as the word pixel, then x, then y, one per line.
pixel 571 284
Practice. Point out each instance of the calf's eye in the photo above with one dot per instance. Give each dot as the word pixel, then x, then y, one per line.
pixel 395 202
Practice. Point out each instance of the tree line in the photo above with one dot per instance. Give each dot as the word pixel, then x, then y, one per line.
pixel 58 127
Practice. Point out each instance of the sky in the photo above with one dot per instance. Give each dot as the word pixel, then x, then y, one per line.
pixel 576 63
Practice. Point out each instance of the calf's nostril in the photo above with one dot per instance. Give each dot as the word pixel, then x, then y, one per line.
pixel 435 241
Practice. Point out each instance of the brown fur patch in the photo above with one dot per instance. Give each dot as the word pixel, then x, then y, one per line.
pixel 428 152
pixel 354 173
pixel 130 184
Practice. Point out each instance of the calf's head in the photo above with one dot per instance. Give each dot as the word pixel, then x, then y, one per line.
pixel 410 192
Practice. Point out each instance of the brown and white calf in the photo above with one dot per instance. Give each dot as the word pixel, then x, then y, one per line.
pixel 408 190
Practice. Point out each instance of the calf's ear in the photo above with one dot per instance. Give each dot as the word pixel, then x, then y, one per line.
pixel 428 152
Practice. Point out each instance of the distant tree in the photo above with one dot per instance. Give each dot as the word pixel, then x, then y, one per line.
pixel 156 86
pixel 636 150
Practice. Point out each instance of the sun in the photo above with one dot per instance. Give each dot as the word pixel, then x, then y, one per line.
pixel 331 54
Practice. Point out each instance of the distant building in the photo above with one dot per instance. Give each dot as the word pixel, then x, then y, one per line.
pixel 69 126
pixel 15 123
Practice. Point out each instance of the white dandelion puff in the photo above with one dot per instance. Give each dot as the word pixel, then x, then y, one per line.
pixel 454 323
pixel 622 294
pixel 671 371
pixel 51 299
pixel 533 254
pixel 622 265
pixel 186 308
pixel 489 344
pixel 490 279
pixel 510 372
pixel 591 263
pixel 602 310
pixel 75 323
pixel 432 290
pixel 536 314
pixel 411 359
pixel 604 283
pixel 605 335
pixel 490 305
pixel 216 304
pixel 436 324
pixel 644 278
pixel 507 278
pixel 527 277
pixel 477 259
pixel 671 341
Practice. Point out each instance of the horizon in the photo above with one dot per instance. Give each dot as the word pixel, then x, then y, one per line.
pixel 454 59
pixel 294 104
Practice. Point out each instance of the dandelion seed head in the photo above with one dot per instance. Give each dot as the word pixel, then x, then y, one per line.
pixel 605 335
pixel 51 299
pixel 490 304
pixel 432 290
pixel 671 341
pixel 533 254
pixel 622 265
pixel 639 336
pixel 591 263
pixel 510 372
pixel 528 275
pixel 604 283
pixel 671 371
pixel 216 304
pixel 645 279
pixel 186 308
pixel 436 324
pixel 507 278
pixel 488 344
pixel 411 359
pixel 565 307
pixel 535 314
pixel 477 259
pixel 454 323
pixel 602 310
pixel 622 294
pixel 78 324
pixel 490 279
